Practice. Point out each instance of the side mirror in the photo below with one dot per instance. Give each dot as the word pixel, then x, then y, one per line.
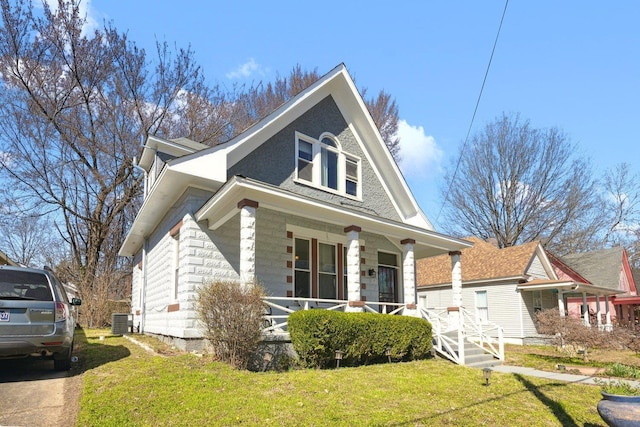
pixel 76 301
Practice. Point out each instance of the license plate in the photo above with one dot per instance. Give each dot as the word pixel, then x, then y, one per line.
pixel 4 316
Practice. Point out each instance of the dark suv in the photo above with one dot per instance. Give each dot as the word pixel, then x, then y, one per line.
pixel 36 318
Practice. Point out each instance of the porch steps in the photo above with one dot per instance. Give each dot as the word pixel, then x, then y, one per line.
pixel 474 356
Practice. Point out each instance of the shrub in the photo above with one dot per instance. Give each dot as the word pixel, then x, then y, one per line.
pixel 363 337
pixel 570 330
pixel 620 370
pixel 232 316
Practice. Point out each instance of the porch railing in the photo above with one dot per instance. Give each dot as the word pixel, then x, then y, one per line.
pixel 449 338
pixel 485 334
pixel 278 309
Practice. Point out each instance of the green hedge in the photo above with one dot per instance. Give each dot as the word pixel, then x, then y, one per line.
pixel 363 337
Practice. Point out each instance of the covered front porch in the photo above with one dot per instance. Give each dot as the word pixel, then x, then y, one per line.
pixel 583 292
pixel 311 249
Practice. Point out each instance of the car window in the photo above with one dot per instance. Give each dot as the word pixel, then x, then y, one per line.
pixel 24 285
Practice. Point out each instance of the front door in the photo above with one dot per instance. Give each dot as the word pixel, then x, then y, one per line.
pixel 387 279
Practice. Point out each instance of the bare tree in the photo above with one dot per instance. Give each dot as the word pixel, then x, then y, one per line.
pixel 517 184
pixel 30 240
pixel 73 110
pixel 622 203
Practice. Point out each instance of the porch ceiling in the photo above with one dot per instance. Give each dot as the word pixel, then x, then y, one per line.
pixel 223 206
pixel 569 288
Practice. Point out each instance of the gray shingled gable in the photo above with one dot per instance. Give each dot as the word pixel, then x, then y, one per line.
pixel 274 161
pixel 601 268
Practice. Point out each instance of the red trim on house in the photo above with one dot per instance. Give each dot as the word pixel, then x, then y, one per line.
pixel 352 228
pixel 405 241
pixel 289 249
pixel 356 304
pixel 137 312
pixel 363 286
pixel 452 253
pixel 627 272
pixel 289 280
pixel 173 307
pixel 175 230
pixel 411 306
pixel 289 264
pixel 453 309
pixel 340 271
pixel 314 268
pixel 289 293
pixel 247 202
pixel 289 234
pixel 362 248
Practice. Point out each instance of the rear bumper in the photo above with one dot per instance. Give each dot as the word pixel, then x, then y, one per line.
pixel 19 346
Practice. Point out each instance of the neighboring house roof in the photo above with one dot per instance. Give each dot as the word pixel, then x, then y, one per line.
pixel 5 260
pixel 603 267
pixel 482 262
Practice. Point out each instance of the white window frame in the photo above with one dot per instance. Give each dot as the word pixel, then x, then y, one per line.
pixel 176 266
pixel 342 157
pixel 482 312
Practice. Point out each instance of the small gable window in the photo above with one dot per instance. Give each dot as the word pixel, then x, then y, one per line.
pixel 322 163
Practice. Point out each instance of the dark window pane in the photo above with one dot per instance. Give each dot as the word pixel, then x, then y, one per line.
pixel 329 169
pixel 305 150
pixel 327 286
pixel 305 170
pixel 302 254
pixel 352 169
pixel 351 188
pixel 327 258
pixel 387 259
pixel 302 285
pixel 330 142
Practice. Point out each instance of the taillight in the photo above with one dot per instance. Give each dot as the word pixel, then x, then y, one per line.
pixel 61 312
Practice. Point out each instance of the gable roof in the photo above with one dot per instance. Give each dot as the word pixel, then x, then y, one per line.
pixel 208 168
pixel 482 262
pixel 5 260
pixel 602 267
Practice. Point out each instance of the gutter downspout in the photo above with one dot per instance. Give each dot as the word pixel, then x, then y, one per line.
pixel 143 303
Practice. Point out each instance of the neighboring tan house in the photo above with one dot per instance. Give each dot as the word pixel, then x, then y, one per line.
pixel 607 268
pixel 505 287
pixel 307 202
pixel 5 260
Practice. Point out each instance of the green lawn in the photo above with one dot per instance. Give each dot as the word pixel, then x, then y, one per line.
pixel 123 384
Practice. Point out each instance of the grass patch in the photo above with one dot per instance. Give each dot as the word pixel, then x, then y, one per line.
pixel 126 385
pixel 547 358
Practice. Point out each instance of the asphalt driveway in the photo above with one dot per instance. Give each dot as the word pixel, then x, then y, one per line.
pixel 33 394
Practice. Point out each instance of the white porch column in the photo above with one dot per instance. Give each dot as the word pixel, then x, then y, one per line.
pixel 598 313
pixel 455 317
pixel 409 277
pixel 585 309
pixel 353 268
pixel 247 241
pixel 607 313
pixel 561 303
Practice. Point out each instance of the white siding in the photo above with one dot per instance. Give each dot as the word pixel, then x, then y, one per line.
pixel 507 307
pixel 536 269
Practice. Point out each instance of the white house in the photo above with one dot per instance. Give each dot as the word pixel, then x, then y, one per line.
pixel 308 202
pixel 505 287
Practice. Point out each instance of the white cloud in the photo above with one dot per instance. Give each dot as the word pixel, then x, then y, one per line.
pixel 420 155
pixel 246 70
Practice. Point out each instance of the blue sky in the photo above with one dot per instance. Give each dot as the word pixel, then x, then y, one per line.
pixel 570 64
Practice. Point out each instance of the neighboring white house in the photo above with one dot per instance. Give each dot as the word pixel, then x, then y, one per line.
pixel 506 287
pixel 308 201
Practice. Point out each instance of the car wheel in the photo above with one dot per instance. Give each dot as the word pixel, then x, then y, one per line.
pixel 63 362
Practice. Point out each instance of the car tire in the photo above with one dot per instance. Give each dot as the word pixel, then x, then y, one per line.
pixel 63 363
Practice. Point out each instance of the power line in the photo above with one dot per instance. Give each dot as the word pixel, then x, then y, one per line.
pixel 475 110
